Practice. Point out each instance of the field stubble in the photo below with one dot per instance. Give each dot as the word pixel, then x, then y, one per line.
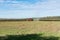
pixel 30 27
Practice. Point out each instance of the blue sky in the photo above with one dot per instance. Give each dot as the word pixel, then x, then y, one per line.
pixel 29 8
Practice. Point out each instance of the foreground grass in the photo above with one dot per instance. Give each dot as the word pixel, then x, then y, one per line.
pixel 47 28
pixel 29 37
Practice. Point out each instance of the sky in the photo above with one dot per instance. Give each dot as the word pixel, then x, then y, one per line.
pixel 29 8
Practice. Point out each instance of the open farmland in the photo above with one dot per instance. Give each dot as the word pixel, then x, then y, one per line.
pixel 30 27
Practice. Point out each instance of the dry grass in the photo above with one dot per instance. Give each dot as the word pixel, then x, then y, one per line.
pixel 29 27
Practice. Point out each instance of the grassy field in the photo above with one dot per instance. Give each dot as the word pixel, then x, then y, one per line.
pixel 30 30
pixel 48 28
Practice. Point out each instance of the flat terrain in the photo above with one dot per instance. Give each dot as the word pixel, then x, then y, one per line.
pixel 51 28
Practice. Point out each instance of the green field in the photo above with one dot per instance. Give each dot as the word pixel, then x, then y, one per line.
pixel 47 28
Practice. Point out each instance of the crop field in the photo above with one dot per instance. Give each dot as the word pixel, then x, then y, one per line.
pixel 47 28
pixel 29 27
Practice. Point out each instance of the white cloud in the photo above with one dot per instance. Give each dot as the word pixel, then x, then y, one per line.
pixel 47 8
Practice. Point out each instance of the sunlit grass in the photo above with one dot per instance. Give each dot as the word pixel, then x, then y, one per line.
pixel 30 27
